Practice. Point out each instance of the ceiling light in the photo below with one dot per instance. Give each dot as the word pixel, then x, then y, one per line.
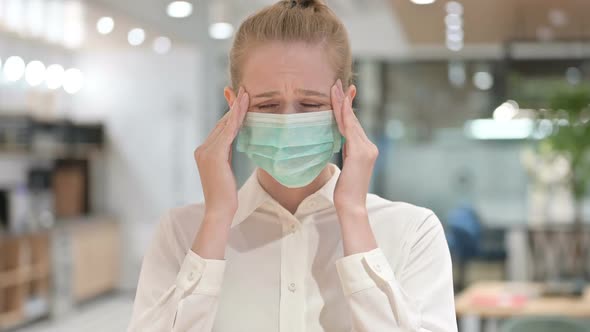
pixel 423 2
pixel 455 45
pixel 162 45
pixel 557 17
pixel 221 30
pixel 453 7
pixel 54 76
pixel 457 73
pixel 35 18
pixel 573 75
pixel 544 33
pixel 179 9
pixel 54 26
pixel 483 80
pixel 14 15
pixel 73 80
pixel 455 35
pixel 35 73
pixel 73 24
pixel 453 21
pixel 499 130
pixel 105 25
pixel 14 68
pixel 136 36
pixel 506 111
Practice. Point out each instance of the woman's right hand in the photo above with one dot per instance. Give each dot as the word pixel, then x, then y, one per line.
pixel 213 160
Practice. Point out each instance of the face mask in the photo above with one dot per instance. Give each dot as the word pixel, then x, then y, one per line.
pixel 292 148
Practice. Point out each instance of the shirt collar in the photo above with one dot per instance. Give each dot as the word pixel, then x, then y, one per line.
pixel 327 191
pixel 251 195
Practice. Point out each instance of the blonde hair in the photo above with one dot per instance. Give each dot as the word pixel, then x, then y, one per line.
pixel 309 21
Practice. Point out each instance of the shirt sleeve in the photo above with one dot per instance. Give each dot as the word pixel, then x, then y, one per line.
pixel 173 296
pixel 419 299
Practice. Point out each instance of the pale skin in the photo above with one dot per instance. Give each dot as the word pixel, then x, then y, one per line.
pixel 280 77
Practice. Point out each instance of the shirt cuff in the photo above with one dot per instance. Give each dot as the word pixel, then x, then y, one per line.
pixel 200 276
pixel 364 270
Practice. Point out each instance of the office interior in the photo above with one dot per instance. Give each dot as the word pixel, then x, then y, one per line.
pixel 480 111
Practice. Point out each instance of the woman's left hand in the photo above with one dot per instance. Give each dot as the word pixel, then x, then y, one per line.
pixel 359 156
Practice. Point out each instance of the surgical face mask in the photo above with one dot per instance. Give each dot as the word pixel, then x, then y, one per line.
pixel 292 148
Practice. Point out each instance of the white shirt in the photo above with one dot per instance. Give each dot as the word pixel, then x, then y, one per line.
pixel 285 272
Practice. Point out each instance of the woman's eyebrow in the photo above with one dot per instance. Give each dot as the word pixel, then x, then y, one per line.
pixel 266 94
pixel 301 91
pixel 311 93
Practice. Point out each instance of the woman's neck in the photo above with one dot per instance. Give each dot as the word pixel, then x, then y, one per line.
pixel 290 198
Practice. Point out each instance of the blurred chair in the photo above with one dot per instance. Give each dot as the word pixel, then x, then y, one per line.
pixel 467 241
pixel 544 324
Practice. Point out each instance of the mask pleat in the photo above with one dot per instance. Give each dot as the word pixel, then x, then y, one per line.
pixel 293 148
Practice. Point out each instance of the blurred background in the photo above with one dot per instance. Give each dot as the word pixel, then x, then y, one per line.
pixel 480 111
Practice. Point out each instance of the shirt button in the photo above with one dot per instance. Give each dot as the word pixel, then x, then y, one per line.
pixel 191 276
pixel 293 228
pixel 292 287
pixel 377 267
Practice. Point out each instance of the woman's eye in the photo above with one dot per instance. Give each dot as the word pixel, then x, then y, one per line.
pixel 312 105
pixel 266 106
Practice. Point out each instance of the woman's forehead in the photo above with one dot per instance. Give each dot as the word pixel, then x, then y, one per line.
pixel 279 66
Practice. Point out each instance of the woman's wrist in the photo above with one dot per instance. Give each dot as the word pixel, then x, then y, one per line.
pixel 352 213
pixel 219 216
pixel 211 239
pixel 357 235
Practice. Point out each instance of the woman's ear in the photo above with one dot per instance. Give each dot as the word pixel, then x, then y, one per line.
pixel 229 95
pixel 351 92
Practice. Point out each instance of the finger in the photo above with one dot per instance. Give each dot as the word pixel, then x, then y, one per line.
pixel 337 107
pixel 340 87
pixel 216 131
pixel 232 112
pixel 219 126
pixel 243 109
pixel 238 113
pixel 341 94
pixel 235 103
pixel 355 142
pixel 347 120
pixel 349 105
pixel 352 123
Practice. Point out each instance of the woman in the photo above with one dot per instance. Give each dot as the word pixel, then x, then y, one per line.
pixel 301 246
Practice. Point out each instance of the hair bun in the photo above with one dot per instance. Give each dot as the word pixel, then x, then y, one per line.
pixel 305 3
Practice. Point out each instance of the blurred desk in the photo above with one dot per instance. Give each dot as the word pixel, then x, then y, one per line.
pixel 492 301
pixel 87 254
